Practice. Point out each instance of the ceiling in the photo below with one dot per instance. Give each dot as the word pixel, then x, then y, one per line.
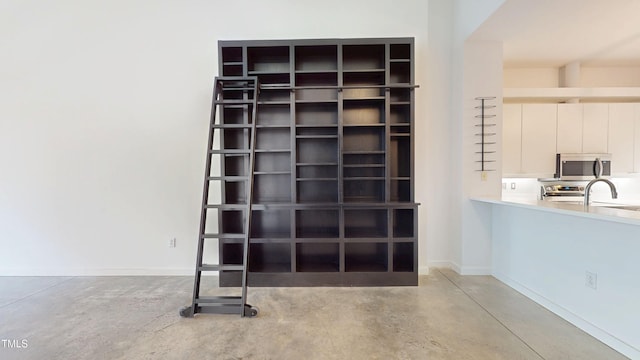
pixel 553 33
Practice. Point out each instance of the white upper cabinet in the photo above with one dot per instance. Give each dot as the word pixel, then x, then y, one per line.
pixel 595 127
pixel 511 139
pixel 622 118
pixel 569 128
pixel 624 138
pixel 539 139
pixel 583 128
pixel 534 133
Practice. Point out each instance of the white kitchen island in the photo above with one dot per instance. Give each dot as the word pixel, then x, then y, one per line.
pixel 545 250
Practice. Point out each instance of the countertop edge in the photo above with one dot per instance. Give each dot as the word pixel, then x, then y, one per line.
pixel 594 212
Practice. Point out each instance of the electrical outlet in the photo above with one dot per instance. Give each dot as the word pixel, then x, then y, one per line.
pixel 591 280
pixel 172 243
pixel 504 186
pixel 513 186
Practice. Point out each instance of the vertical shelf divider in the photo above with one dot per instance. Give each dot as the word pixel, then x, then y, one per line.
pixel 340 149
pixel 293 157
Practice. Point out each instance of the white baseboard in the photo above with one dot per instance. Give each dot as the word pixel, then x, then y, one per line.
pixel 585 325
pixel 98 272
pixel 440 264
pixel 423 270
pixel 462 270
pixel 475 270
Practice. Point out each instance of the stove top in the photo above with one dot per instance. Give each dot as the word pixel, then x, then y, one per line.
pixel 562 192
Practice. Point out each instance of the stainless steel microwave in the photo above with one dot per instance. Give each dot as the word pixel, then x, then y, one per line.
pixel 582 166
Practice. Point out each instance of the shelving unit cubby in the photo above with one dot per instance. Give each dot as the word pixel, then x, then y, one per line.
pixel 333 201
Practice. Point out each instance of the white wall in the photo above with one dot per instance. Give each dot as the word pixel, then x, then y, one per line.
pixel 590 76
pixel 609 76
pixel 531 77
pixel 482 77
pixel 104 110
pixel 450 24
pixel 438 91
pixel 549 263
pixel 472 73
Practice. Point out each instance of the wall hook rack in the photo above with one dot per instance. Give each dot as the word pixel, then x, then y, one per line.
pixel 486 133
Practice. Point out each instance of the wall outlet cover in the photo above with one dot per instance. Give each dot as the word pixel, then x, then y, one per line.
pixel 591 280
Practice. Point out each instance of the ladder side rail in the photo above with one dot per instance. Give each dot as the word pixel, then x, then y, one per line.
pixel 252 146
pixel 205 196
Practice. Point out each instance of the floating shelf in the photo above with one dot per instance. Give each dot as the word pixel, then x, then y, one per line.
pixel 605 94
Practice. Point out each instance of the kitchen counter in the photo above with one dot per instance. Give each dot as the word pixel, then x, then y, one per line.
pixel 580 264
pixel 608 211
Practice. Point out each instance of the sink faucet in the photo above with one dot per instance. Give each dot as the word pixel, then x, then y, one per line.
pixel 587 190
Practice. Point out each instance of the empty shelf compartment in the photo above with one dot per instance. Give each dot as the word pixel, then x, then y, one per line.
pixel 317 257
pixel 272 188
pixel 271 257
pixel 363 139
pixel 317 223
pixel 317 191
pixel 317 150
pixel 316 58
pixel 400 190
pixel 317 114
pixel 403 223
pixel 403 256
pixel 400 51
pixel 363 113
pixel 363 57
pixel 271 59
pixel 232 253
pixel 274 114
pixel 365 223
pixel 359 190
pixel 271 224
pixel 400 73
pixel 365 257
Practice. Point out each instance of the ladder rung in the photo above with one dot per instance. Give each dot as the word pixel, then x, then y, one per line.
pixel 230 151
pixel 218 267
pixel 232 126
pixel 233 88
pixel 220 308
pixel 223 236
pixel 228 178
pixel 226 206
pixel 234 102
pixel 219 300
pixel 236 106
pixel 236 78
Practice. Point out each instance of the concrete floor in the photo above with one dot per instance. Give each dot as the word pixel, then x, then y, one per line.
pixel 447 317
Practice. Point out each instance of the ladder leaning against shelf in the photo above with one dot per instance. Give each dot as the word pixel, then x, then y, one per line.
pixel 240 93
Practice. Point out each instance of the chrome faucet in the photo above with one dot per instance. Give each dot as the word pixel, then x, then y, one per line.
pixel 587 190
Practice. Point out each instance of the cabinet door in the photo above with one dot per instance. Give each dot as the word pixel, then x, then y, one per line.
pixel 539 139
pixel 511 138
pixel 622 119
pixel 569 128
pixel 595 128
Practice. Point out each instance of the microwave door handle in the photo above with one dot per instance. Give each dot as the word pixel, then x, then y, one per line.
pixel 597 168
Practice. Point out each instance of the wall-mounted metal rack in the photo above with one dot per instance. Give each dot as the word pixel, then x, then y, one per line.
pixel 486 133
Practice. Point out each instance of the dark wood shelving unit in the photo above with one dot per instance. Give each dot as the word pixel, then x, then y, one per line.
pixel 334 165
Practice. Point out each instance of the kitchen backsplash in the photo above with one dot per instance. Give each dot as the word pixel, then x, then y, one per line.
pixel 529 188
